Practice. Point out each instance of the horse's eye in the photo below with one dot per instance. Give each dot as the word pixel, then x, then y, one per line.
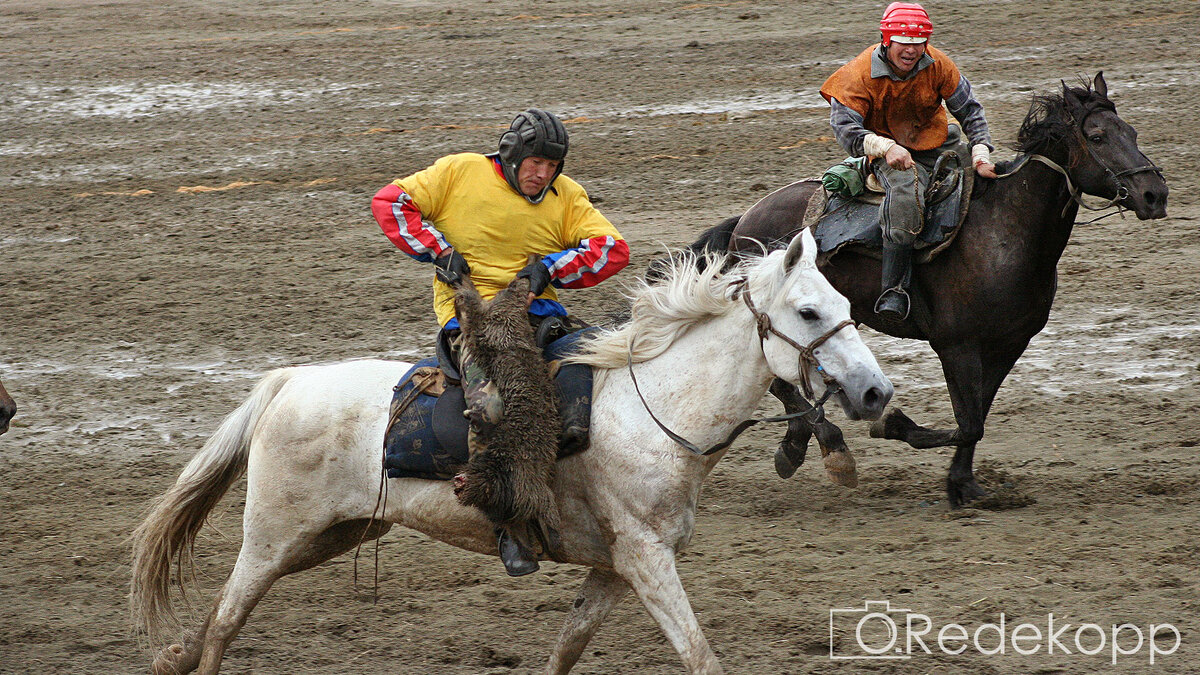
pixel 1095 138
pixel 808 314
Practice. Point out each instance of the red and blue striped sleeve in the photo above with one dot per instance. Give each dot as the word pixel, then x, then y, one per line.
pixel 404 225
pixel 593 261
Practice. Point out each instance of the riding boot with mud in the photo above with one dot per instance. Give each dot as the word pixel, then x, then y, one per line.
pixel 894 302
pixel 518 558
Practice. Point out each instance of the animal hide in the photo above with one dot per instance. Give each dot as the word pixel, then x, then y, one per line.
pixel 508 478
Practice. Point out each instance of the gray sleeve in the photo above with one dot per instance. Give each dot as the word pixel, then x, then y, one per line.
pixel 969 113
pixel 848 127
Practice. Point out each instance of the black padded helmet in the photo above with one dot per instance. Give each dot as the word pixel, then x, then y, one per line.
pixel 533 133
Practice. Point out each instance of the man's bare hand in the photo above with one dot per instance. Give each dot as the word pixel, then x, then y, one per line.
pixel 986 169
pixel 898 157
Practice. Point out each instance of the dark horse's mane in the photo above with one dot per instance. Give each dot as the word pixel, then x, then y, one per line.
pixel 1052 117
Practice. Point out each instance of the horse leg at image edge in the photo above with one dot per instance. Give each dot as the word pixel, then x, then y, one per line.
pixel 601 591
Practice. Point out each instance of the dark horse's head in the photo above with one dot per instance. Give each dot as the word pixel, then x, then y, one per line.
pixel 1097 147
pixel 7 409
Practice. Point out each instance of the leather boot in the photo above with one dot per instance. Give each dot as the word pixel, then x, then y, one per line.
pixel 518 559
pixel 574 384
pixel 894 302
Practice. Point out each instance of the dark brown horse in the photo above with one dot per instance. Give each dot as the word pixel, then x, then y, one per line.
pixel 980 302
pixel 7 409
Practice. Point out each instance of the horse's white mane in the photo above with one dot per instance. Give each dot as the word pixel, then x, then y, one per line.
pixel 663 311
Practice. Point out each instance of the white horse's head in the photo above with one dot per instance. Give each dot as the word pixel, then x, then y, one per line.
pixel 800 303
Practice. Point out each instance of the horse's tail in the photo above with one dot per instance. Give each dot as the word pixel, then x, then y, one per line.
pixel 168 534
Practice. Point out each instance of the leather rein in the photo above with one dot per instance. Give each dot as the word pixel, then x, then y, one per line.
pixel 807 359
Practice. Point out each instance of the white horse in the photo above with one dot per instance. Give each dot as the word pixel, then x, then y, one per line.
pixel 310 441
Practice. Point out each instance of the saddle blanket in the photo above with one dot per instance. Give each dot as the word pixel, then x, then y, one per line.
pixel 429 438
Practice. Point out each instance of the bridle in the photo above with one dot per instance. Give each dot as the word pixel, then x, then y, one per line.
pixel 1114 176
pixel 807 357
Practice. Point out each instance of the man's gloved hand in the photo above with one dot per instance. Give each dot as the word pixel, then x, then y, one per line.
pixel 451 267
pixel 538 275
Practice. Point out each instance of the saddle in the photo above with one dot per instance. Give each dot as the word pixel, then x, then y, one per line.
pixel 427 431
pixel 839 222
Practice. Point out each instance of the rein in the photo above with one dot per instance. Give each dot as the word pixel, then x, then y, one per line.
pixel 806 358
pixel 1076 193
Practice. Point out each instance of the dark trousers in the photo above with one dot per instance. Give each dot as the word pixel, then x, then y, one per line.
pixel 903 210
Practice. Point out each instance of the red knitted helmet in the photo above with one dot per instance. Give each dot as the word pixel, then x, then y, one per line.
pixel 905 22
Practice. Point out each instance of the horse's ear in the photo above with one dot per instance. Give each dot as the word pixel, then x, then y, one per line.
pixel 1071 102
pixel 803 248
pixel 1100 85
pixel 795 251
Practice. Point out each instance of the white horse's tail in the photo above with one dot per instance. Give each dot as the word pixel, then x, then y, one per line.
pixel 168 534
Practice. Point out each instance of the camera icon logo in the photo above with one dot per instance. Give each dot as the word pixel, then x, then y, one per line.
pixel 873 632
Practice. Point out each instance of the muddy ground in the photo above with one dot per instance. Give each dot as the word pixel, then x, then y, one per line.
pixel 184 192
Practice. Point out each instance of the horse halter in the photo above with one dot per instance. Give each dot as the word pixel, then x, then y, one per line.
pixel 1077 193
pixel 807 355
pixel 765 329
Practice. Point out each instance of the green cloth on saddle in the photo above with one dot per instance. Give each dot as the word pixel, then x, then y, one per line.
pixel 846 179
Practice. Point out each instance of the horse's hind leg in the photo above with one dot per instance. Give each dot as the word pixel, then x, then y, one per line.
pixel 839 463
pixel 601 590
pixel 252 577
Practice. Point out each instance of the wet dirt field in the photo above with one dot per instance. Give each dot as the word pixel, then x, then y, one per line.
pixel 184 204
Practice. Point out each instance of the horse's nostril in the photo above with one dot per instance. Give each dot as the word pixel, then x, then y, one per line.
pixel 1151 198
pixel 874 399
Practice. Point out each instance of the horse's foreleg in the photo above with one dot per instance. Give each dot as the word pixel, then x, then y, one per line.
pixel 649 567
pixel 794 445
pixel 600 592
pixel 972 391
pixel 897 426
pixel 964 370
pixel 839 463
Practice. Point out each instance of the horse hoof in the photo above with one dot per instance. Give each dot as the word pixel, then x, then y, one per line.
pixel 783 465
pixel 166 662
pixel 841 469
pixel 962 494
pixel 891 425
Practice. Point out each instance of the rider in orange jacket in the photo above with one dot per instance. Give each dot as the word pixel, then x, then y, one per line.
pixel 886 104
